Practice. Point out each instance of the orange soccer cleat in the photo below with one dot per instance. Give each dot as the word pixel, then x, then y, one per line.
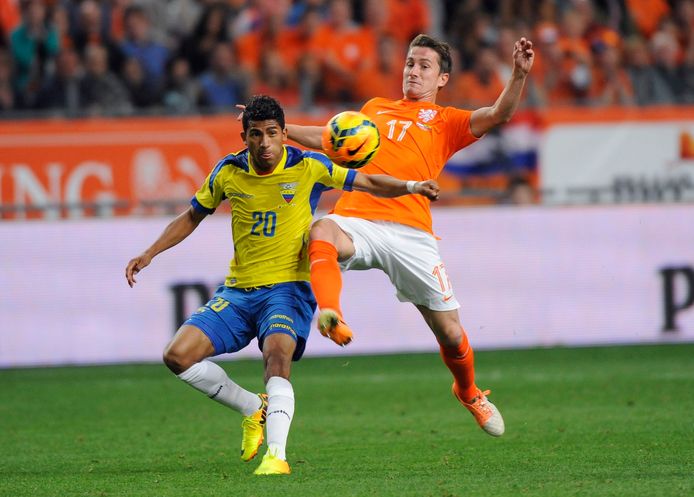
pixel 331 325
pixel 486 414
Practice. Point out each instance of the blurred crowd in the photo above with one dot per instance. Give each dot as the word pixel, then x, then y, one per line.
pixel 120 57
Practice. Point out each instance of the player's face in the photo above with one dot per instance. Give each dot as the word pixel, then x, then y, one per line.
pixel 422 77
pixel 264 140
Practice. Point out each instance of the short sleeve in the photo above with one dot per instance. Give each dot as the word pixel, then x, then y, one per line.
pixel 211 192
pixel 458 132
pixel 329 174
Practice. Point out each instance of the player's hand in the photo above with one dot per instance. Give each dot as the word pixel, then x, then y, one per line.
pixel 523 55
pixel 135 266
pixel 241 108
pixel 428 188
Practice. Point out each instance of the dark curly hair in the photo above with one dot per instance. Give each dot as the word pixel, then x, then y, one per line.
pixel 262 108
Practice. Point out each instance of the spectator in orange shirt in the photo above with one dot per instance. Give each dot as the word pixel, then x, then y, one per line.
pixel 376 18
pixel 564 70
pixel 9 18
pixel 345 48
pixel 385 74
pixel 301 55
pixel 647 14
pixel 407 18
pixel 505 38
pixel 298 42
pixel 572 36
pixel 249 46
pixel 276 79
pixel 482 85
pixel 117 19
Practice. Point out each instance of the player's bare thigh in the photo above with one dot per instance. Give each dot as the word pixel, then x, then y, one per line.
pixel 188 346
pixel 444 324
pixel 328 230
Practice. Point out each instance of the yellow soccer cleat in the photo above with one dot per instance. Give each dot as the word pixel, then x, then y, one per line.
pixel 331 325
pixel 486 414
pixel 253 425
pixel 271 465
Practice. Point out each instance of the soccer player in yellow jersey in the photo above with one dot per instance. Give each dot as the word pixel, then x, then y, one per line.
pixel 273 190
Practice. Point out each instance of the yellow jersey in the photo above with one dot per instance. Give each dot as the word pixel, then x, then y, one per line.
pixel 270 214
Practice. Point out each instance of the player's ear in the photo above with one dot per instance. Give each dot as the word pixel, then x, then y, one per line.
pixel 443 79
pixel 284 134
pixel 243 136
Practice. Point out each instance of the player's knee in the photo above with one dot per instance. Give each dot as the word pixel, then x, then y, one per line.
pixel 189 346
pixel 176 360
pixel 277 368
pixel 323 229
pixel 449 336
pixel 277 363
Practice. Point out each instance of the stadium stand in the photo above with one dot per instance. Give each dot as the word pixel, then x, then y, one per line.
pixel 90 58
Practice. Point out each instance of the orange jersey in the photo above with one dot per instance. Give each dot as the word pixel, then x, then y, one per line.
pixel 417 139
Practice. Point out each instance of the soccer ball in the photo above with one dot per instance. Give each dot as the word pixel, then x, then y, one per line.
pixel 350 139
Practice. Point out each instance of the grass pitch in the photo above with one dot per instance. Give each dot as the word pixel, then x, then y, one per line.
pixel 580 422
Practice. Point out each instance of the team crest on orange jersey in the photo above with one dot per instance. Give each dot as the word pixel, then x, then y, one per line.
pixel 426 115
pixel 288 190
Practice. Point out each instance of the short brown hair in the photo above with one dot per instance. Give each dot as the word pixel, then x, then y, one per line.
pixel 440 47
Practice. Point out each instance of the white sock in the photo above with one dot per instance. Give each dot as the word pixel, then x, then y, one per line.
pixel 211 380
pixel 280 411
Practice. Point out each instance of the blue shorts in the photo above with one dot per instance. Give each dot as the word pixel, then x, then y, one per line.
pixel 234 316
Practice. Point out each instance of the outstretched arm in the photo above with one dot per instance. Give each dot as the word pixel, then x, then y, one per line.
pixel 174 233
pixel 383 185
pixel 307 136
pixel 486 118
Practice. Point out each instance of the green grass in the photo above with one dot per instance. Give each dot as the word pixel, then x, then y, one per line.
pixel 580 422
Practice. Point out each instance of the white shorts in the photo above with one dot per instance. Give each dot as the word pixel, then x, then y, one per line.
pixel 409 256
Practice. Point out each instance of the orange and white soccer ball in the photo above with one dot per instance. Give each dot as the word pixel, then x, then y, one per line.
pixel 350 139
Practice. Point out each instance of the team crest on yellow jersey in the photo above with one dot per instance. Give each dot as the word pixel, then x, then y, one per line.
pixel 288 190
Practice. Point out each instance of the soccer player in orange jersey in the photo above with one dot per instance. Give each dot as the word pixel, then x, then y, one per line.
pixel 395 234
